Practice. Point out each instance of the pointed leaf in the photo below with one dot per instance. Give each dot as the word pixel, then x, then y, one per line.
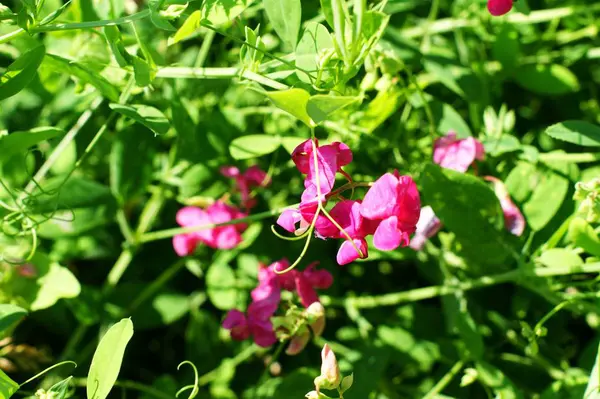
pixel 285 16
pixel 321 107
pixel 20 142
pixel 293 101
pixel 7 386
pixel 546 200
pixel 547 79
pixel 9 315
pixel 57 284
pixel 254 145
pixel 219 12
pixel 576 132
pixel 107 359
pixel 148 116
pixel 189 27
pixel 315 39
pixel 18 74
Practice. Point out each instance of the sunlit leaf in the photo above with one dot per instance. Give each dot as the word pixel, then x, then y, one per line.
pixel 18 74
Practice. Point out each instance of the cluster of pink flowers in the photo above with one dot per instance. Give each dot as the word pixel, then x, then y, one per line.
pixel 266 298
pixel 389 211
pixel 459 154
pixel 499 7
pixel 219 237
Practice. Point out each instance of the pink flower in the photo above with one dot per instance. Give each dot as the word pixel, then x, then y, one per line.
pixel 427 226
pixel 513 218
pixel 27 270
pixel 256 324
pixel 458 154
pixel 221 237
pixel 499 7
pixel 252 177
pixel 330 377
pixel 394 201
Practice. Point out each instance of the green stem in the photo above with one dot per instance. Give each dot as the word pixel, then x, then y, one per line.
pixel 217 73
pixel 446 379
pixel 420 294
pixel 574 158
pixel 168 233
pixel 91 24
pixel 204 49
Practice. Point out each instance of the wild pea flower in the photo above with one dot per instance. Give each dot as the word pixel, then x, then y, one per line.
pixel 427 226
pixel 458 154
pixel 499 7
pixel 252 177
pixel 256 324
pixel 394 201
pixel 330 377
pixel 513 218
pixel 221 237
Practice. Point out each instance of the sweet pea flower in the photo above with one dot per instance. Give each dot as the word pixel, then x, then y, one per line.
pixel 513 218
pixel 394 201
pixel 221 237
pixel 252 177
pixel 256 324
pixel 458 154
pixel 499 7
pixel 427 226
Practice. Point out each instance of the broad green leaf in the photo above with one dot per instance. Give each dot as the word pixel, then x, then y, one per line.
pixel 142 71
pixel 131 160
pixel 522 180
pixel 117 46
pixel 443 73
pixel 547 79
pixel 507 47
pixel 18 74
pixel 7 386
pixel 73 223
pixel 9 315
pixel 76 192
pixel 189 27
pixel 221 286
pixel 290 143
pixel 83 73
pixel 285 16
pixel 315 39
pixel 220 12
pixel 57 284
pixel 493 378
pixel 107 360
pixel 19 142
pixel 497 146
pixel 546 200
pixel 254 145
pixel 584 236
pixel 382 107
pixel 321 106
pixel 469 208
pixel 448 119
pixel 421 354
pixel 148 116
pixel 161 22
pixel 576 132
pixel 592 391
pixel 293 101
pixel 166 308
pixel 560 257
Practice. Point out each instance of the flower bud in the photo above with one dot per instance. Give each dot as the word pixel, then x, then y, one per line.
pixel 315 314
pixel 316 395
pixel 589 195
pixel 298 342
pixel 330 377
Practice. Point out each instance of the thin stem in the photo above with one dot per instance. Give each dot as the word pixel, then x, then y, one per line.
pixel 445 380
pixel 218 73
pixel 205 48
pixel 574 158
pixel 91 24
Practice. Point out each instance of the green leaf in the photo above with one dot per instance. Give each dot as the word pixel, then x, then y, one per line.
pixel 576 132
pixel 469 208
pixel 285 16
pixel 448 119
pixel 166 308
pixel 148 116
pixel 7 386
pixel 18 74
pixel 522 180
pixel 560 257
pixel 293 101
pixel 57 284
pixel 547 79
pixel 315 39
pixel 507 47
pixel 221 286
pixel 320 107
pixel 459 318
pixel 19 142
pixel 142 71
pixel 73 223
pixel 502 145
pixel 220 12
pixel 107 359
pixel 76 192
pixel 492 377
pixel 584 236
pixel 546 200
pixel 131 161
pixel 253 145
pixel 83 73
pixel 117 46
pixel 61 389
pixel 189 27
pixel 161 22
pixel 9 315
pixel 592 391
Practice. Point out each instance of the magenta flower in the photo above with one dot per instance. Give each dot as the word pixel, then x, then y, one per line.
pixel 252 177
pixel 256 324
pixel 513 218
pixel 499 7
pixel 427 226
pixel 458 154
pixel 221 237
pixel 394 201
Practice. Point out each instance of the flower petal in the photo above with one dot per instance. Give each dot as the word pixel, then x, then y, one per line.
pixel 184 244
pixel 191 216
pixel 288 219
pixel 381 199
pixel 305 291
pixel 347 253
pixel 226 237
pixel 387 237
pixel 263 334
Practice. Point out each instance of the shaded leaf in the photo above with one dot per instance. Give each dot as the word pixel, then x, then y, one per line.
pixel 547 79
pixel 221 286
pixel 148 116
pixel 18 74
pixel 448 119
pixel 76 192
pixel 546 200
pixel 9 315
pixel 20 142
pixel 7 386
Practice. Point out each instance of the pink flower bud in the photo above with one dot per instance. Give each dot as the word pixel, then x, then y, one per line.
pixel 316 318
pixel 330 377
pixel 298 342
